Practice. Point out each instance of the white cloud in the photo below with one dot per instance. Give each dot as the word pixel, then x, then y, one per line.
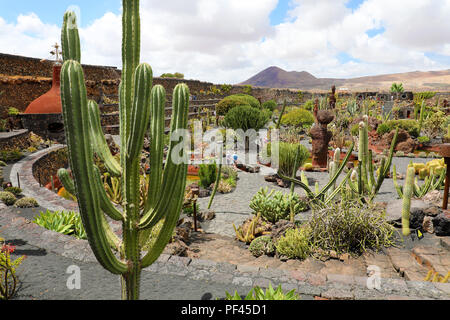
pixel 227 41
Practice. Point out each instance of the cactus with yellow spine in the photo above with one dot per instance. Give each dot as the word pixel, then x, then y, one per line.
pixel 139 103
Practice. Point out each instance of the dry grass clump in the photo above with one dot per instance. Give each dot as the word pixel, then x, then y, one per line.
pixel 350 227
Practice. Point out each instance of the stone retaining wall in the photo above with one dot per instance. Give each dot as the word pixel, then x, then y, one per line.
pixel 16 139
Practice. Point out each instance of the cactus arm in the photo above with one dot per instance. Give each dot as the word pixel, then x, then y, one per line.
pixel 66 180
pixel 173 173
pixel 386 168
pixel 156 134
pixel 338 189
pixel 372 171
pixel 216 185
pixel 362 156
pixel 169 224
pixel 441 180
pixel 304 179
pixel 105 203
pixel 75 113
pixel 140 113
pixel 337 174
pixel 99 144
pixel 321 194
pixel 407 195
pixel 308 191
pixel 281 115
pixel 396 185
pixel 70 39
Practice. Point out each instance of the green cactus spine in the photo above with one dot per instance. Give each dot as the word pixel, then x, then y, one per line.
pixel 138 104
pixel 407 195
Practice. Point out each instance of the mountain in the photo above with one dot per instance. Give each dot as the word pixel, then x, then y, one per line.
pixel 275 77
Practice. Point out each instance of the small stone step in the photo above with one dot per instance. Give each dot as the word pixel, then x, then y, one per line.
pixel 445 243
pixel 433 258
pixel 406 265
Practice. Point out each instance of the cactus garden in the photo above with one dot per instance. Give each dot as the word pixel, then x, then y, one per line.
pixel 146 183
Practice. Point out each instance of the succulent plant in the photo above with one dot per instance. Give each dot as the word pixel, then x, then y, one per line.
pixel 26 203
pixel 7 198
pixel 262 246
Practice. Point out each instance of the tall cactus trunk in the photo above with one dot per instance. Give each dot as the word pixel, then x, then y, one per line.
pixel 139 103
pixel 407 195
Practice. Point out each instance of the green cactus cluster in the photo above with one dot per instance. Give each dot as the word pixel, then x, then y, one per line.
pixel 322 197
pixel 141 111
pixel 366 181
pixel 432 173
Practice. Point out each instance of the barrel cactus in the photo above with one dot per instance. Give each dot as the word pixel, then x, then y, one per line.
pixel 139 102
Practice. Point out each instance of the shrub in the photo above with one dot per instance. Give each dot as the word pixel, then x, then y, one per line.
pixel 224 187
pixel 276 206
pixel 309 105
pixel 10 156
pixel 350 227
pixel 14 190
pixel 411 126
pixel 271 105
pixel 3 164
pixel 299 118
pixel 295 244
pixel 258 294
pixel 7 198
pixel 400 154
pixel 355 130
pixel 432 126
pixel 207 174
pixel 68 223
pixel 411 155
pixel 8 279
pixel 13 112
pixel 423 155
pixel 423 139
pixel 382 129
pixel 288 153
pixel 246 117
pixel 26 203
pixel 236 100
pixel 262 246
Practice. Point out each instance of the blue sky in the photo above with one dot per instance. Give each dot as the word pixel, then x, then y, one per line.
pixel 51 11
pixel 328 38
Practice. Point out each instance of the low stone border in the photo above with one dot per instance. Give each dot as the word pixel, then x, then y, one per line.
pixel 340 287
pixel 30 187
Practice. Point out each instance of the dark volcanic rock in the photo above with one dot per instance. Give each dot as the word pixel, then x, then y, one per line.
pixel 442 224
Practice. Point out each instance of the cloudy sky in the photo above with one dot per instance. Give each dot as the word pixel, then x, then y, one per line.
pixel 228 41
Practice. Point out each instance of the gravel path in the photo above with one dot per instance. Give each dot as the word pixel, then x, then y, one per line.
pixel 43 277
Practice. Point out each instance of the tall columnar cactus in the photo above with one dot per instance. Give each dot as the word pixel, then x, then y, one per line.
pixel 407 195
pixel 322 197
pixel 369 183
pixel 139 103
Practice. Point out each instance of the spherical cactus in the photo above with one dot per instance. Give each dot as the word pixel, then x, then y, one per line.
pixel 7 198
pixel 262 246
pixel 26 203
